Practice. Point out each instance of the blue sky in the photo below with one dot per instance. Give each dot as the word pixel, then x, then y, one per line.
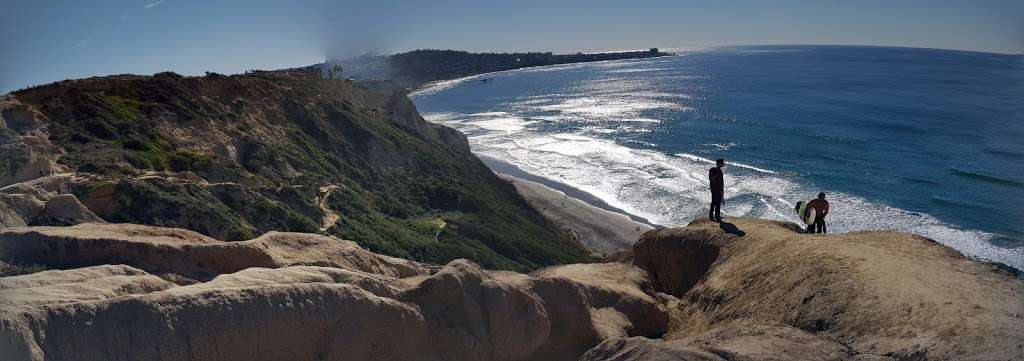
pixel 49 40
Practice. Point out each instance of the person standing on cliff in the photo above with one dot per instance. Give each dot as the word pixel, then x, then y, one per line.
pixel 717 190
pixel 820 206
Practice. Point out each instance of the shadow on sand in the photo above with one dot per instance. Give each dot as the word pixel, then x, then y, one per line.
pixel 731 228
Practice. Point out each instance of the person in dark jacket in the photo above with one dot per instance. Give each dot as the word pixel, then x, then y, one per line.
pixel 820 206
pixel 717 190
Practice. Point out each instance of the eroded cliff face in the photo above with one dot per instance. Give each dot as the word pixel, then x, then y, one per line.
pixel 233 157
pixel 143 292
pixel 743 290
pixel 748 288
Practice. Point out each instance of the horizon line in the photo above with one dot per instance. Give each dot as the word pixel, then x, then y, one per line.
pixel 667 50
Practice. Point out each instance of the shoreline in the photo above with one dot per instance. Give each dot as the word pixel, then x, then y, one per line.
pixel 428 86
pixel 598 226
pixel 601 231
pixel 501 167
pixel 557 190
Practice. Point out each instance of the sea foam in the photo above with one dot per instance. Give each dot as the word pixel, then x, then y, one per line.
pixel 562 136
pixel 672 190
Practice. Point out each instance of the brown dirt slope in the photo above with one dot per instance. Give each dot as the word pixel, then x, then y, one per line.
pixel 870 293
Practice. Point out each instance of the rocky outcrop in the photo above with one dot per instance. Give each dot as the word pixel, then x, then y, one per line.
pixel 742 290
pixel 189 254
pixel 868 293
pixel 26 152
pixel 677 258
pixel 402 111
pixel 235 318
pixel 57 287
pixel 48 201
pixel 9 217
pixel 298 296
pixel 588 303
pixel 475 315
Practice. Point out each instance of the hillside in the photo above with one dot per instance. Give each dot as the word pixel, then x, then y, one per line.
pixel 233 157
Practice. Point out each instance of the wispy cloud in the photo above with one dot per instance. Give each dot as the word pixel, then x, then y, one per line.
pixel 81 43
pixel 154 4
pixel 124 16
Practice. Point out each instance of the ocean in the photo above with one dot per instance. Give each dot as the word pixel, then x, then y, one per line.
pixel 924 141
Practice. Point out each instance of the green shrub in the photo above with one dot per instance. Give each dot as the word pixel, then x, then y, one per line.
pixel 399 192
pixel 122 108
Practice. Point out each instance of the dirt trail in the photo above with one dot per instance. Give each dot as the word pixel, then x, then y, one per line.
pixel 330 218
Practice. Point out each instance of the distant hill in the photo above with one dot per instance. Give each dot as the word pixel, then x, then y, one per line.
pixel 233 157
pixel 415 68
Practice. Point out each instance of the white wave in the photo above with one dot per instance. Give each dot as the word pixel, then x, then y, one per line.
pixel 553 118
pixel 666 189
pixel 709 161
pixel 487 114
pixel 443 85
pixel 672 190
pixel 505 124
pixel 717 146
pixel 441 117
pixel 635 70
pixel 741 165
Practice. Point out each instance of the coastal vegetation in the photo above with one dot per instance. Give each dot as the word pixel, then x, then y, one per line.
pixel 234 157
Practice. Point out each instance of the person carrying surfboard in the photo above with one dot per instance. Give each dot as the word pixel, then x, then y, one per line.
pixel 717 190
pixel 820 206
pixel 813 213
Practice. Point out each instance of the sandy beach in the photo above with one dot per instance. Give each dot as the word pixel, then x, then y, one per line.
pixel 602 231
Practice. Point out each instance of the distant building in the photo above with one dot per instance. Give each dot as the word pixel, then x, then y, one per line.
pixel 654 51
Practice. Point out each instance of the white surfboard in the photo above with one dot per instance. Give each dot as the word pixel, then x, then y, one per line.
pixel 806 215
pixel 809 220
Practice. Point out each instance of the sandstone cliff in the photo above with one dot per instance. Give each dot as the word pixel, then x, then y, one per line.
pixel 742 290
pixel 179 295
pixel 754 289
